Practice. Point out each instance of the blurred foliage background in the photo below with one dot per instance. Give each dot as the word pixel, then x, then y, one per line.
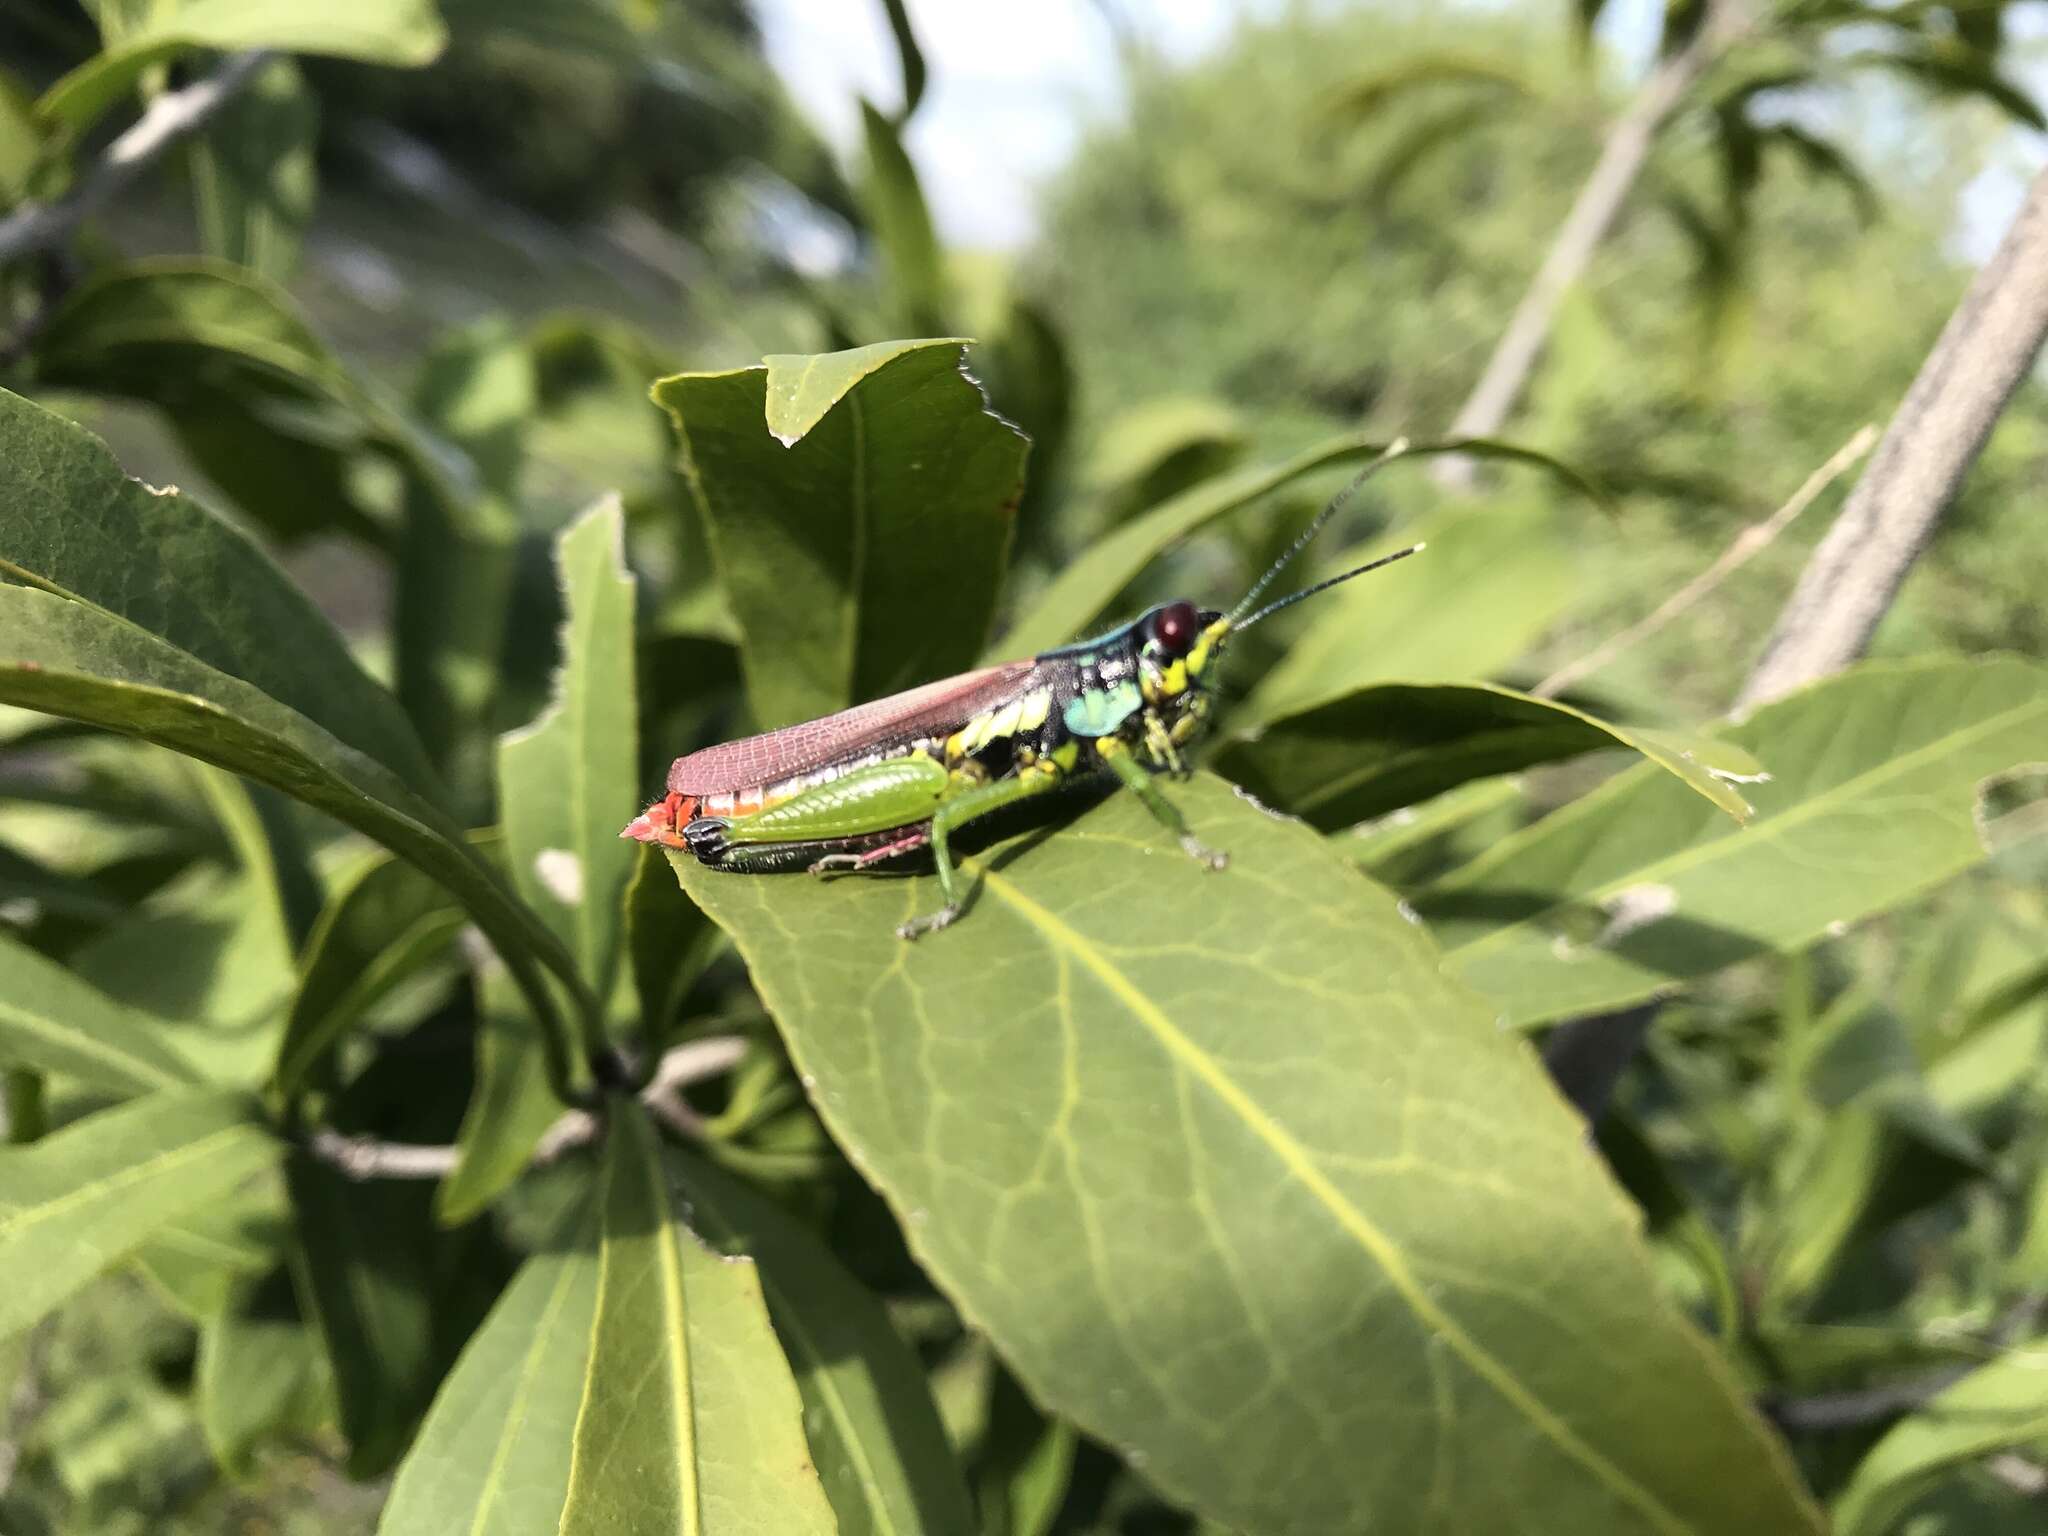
pixel 1319 223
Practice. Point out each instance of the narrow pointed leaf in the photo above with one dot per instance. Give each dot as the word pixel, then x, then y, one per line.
pixel 1077 597
pixel 360 1266
pixel 1641 885
pixel 384 923
pixel 82 1199
pixel 512 1104
pixel 1390 745
pixel 864 557
pixel 259 1374
pixel 1995 1407
pixel 52 1021
pixel 492 1458
pixel 913 264
pixel 568 782
pixel 253 176
pixel 1512 564
pixel 1237 1180
pixel 689 1421
pixel 908 55
pixel 876 1438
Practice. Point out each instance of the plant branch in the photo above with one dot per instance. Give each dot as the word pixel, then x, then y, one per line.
pixel 1599 203
pixel 170 117
pixel 1749 543
pixel 366 1157
pixel 1984 353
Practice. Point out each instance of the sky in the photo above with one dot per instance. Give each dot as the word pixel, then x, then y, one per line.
pixel 1010 87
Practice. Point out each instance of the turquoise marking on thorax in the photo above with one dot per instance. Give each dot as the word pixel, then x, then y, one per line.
pixel 1099 711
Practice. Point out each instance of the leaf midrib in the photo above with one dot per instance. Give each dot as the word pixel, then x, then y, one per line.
pixel 138 1070
pixel 25 1218
pixel 1301 1167
pixel 522 1391
pixel 1847 792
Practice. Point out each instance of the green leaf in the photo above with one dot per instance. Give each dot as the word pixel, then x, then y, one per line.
pixel 864 557
pixel 569 781
pixel 459 555
pixel 874 1434
pixel 259 1373
pixel 253 176
pixel 689 1420
pixel 1514 565
pixel 198 1260
pixel 908 55
pixel 404 32
pixel 1373 92
pixel 386 921
pixel 255 398
pixel 52 1021
pixel 492 1458
pixel 72 523
pixel 913 266
pixel 82 1199
pixel 1640 885
pixel 512 1104
pixel 1079 594
pixel 669 942
pixel 360 1270
pixel 67 659
pixel 1240 1183
pixel 1154 450
pixel 1393 744
pixel 1995 1407
pixel 1088 584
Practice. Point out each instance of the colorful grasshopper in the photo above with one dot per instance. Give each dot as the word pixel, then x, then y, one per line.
pixel 904 773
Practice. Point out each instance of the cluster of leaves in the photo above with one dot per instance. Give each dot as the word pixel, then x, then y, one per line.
pixel 1231 1201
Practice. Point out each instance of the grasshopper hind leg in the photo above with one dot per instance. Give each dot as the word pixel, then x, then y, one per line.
pixel 898 844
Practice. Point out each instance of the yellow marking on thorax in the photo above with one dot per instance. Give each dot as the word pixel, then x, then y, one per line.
pixel 1025 713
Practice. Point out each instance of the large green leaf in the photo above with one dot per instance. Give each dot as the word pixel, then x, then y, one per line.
pixel 72 523
pixel 569 781
pixel 388 919
pixel 82 1199
pixel 874 1434
pixel 361 1268
pixel 689 1421
pixel 863 557
pixel 54 1022
pixel 1238 1181
pixel 492 1458
pixel 1641 885
pixel 67 659
pixel 253 176
pixel 1492 580
pixel 1390 745
pixel 1994 1407
pixel 139 37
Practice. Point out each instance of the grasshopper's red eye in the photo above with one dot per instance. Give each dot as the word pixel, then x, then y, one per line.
pixel 1175 627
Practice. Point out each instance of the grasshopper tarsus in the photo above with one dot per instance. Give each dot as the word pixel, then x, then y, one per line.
pixel 931 922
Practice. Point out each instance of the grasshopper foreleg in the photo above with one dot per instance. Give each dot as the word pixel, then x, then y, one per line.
pixel 1138 780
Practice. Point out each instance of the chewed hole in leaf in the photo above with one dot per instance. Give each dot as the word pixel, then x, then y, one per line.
pixel 2011 809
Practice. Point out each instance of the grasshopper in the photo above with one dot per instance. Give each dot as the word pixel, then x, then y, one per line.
pixel 902 774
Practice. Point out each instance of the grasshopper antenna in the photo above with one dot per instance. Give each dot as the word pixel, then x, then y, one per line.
pixel 1323 586
pixel 1387 454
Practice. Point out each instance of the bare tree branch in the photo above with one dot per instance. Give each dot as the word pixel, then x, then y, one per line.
pixel 42 226
pixel 1984 353
pixel 366 1157
pixel 1600 200
pixel 1752 541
